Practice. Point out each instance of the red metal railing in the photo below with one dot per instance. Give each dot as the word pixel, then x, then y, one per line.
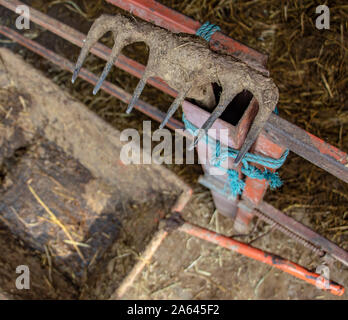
pixel 262 256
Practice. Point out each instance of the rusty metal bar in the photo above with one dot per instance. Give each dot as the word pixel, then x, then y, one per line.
pixel 295 229
pixel 308 146
pixel 290 234
pixel 304 232
pixel 264 257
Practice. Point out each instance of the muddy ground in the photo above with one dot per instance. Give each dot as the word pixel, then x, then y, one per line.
pixel 310 68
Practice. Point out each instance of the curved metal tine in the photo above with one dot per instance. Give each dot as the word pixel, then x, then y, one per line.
pixel 175 105
pixel 116 50
pixel 137 92
pixel 97 30
pixel 141 85
pixel 258 124
pixel 208 124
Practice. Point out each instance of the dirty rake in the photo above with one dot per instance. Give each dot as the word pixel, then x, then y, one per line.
pixel 188 65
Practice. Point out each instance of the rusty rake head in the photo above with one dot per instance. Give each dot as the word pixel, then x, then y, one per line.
pixel 185 64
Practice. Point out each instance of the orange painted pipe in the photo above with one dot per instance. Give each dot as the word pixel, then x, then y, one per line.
pixel 268 258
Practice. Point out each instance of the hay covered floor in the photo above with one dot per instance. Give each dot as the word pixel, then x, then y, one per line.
pixel 310 68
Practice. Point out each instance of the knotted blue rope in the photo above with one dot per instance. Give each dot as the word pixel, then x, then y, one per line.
pixel 207 30
pixel 235 184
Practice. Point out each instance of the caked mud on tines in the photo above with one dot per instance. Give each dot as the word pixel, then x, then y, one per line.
pixel 190 67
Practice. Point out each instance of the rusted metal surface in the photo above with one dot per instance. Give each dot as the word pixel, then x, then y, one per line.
pixel 262 256
pixel 197 116
pixel 304 232
pixel 289 233
pixel 253 192
pixel 308 146
pixel 174 21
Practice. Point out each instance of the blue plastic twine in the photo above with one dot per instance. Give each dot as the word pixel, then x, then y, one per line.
pixel 235 184
pixel 207 30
